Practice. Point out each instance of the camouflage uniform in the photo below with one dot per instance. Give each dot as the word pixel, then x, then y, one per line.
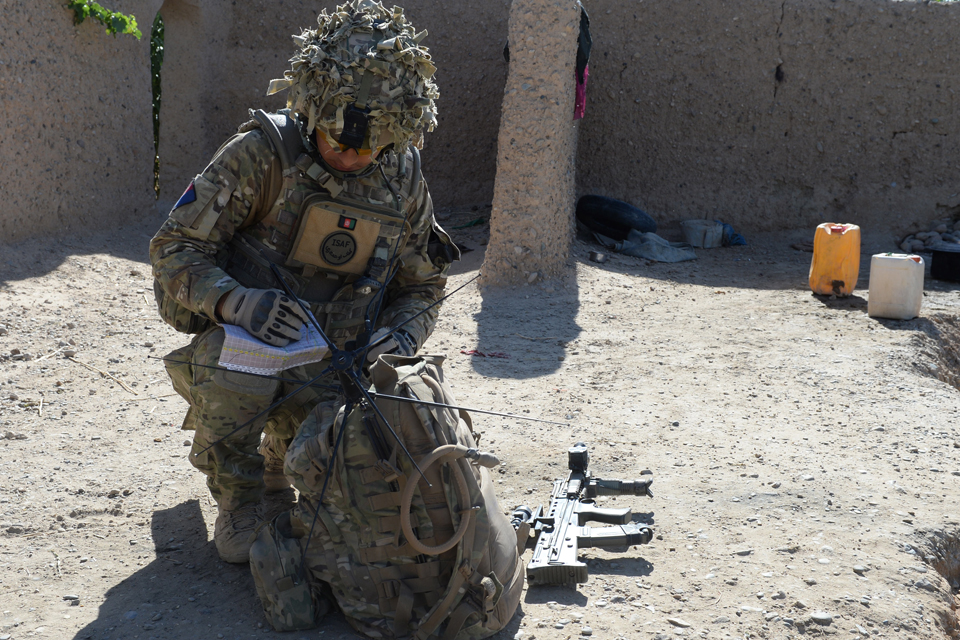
pixel 462 586
pixel 243 199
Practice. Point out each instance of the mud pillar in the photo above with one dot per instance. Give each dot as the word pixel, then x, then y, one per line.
pixel 533 196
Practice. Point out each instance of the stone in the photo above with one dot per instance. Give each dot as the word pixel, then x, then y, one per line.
pixel 807 478
pixel 679 622
pixel 799 604
pixel 721 620
pixel 821 617
pixel 810 581
pixel 743 552
pixel 586 631
pixel 71 597
pixel 923 583
pixel 69 353
pixel 859 569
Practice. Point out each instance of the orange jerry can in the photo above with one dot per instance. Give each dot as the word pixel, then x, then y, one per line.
pixel 836 259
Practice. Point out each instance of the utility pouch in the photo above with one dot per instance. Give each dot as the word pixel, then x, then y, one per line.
pixel 176 315
pixel 275 558
pixel 340 237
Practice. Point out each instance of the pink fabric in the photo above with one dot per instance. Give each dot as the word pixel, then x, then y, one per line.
pixel 581 104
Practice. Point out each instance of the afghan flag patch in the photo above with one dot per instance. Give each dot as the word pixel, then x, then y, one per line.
pixel 346 223
pixel 190 195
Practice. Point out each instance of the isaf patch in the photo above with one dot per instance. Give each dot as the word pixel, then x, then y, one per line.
pixel 338 248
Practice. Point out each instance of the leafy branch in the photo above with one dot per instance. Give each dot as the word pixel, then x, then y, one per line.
pixel 114 21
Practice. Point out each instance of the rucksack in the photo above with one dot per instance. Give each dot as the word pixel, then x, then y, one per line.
pixel 388 583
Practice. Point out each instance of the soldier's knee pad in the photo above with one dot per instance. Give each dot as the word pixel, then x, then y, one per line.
pixel 289 603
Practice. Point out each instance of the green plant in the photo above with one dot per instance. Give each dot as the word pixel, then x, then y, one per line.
pixel 114 21
pixel 156 61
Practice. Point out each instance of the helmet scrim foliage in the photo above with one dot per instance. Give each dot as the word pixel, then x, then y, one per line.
pixel 363 50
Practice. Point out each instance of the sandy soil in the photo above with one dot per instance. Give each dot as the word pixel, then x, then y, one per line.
pixel 804 455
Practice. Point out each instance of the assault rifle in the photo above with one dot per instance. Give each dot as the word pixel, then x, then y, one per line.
pixel 558 534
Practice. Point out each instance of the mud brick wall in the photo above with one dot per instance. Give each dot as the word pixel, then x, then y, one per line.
pixel 76 143
pixel 775 113
pixel 532 219
pixel 766 113
pixel 221 55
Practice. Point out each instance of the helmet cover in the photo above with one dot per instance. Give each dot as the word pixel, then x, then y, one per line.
pixel 362 56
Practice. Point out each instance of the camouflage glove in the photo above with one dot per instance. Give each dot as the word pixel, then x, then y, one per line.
pixel 267 314
pixel 399 343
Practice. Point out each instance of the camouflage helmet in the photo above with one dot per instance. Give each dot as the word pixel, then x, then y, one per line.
pixel 362 79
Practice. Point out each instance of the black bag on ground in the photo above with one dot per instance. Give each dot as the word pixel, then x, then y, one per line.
pixel 612 218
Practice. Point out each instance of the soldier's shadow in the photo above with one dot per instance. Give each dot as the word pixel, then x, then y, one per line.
pixel 187 592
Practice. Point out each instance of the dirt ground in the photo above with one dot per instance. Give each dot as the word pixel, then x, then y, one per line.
pixel 804 455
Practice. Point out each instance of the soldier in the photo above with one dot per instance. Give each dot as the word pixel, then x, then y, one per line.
pixel 330 191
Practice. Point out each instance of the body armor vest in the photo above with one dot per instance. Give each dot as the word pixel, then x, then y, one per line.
pixel 334 243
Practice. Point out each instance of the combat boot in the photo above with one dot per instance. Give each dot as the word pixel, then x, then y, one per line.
pixel 233 529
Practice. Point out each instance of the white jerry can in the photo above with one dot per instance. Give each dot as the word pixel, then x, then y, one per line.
pixel 896 286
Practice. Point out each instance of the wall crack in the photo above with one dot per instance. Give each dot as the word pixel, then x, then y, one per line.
pixel 778 74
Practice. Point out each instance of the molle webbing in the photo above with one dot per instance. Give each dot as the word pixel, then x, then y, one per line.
pixel 383 554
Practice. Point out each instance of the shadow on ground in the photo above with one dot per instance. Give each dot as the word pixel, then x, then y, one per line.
pixel 187 592
pixel 37 257
pixel 769 261
pixel 524 332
